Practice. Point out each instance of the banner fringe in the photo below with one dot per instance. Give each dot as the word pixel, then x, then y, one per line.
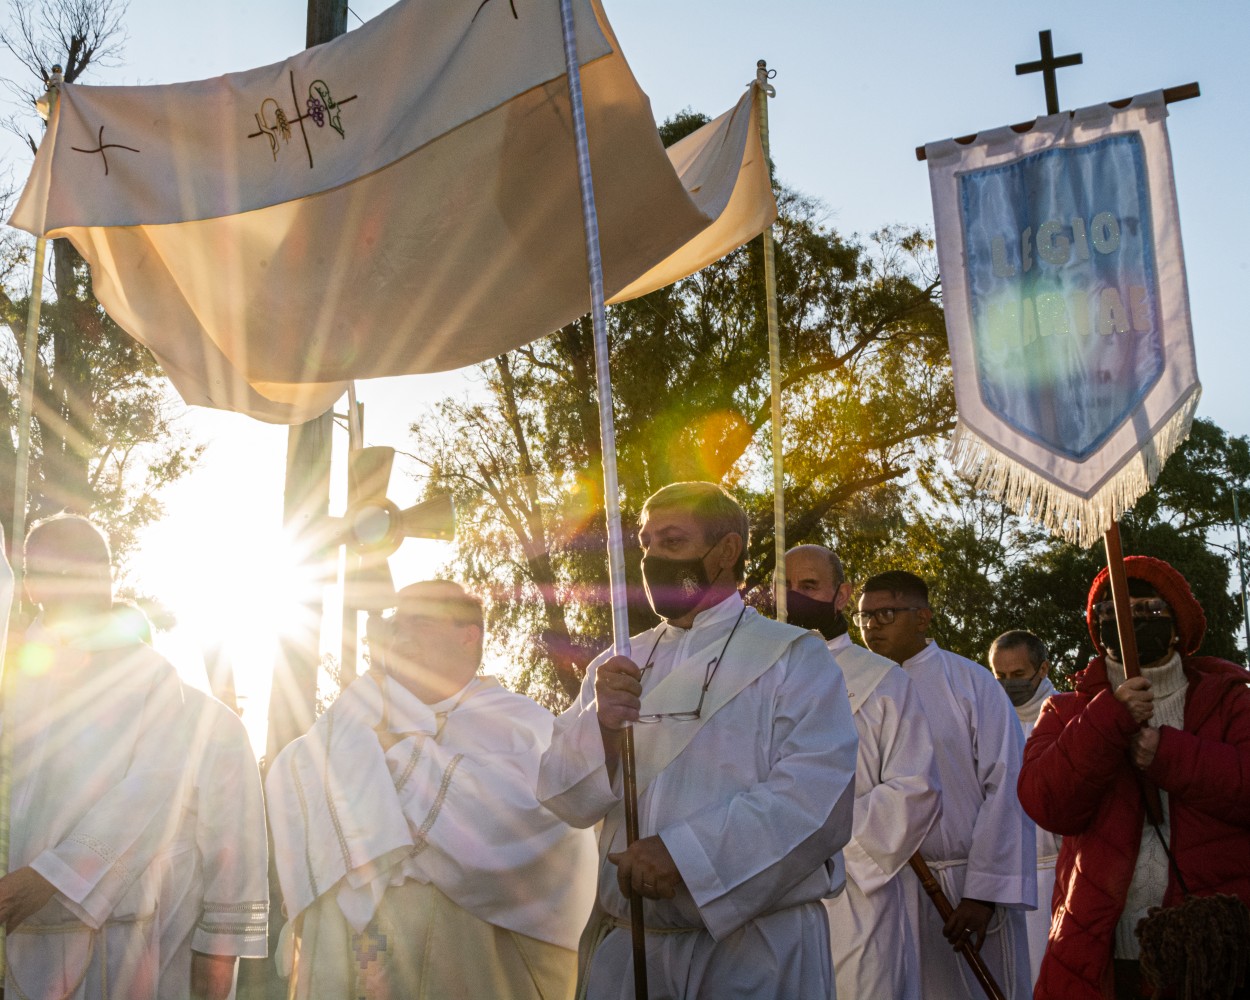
pixel 1079 520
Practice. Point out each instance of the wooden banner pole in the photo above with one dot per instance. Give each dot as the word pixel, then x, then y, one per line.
pixel 1128 644
pixel 973 957
pixel 1171 95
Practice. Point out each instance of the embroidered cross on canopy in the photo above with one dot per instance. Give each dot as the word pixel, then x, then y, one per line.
pixel 402 199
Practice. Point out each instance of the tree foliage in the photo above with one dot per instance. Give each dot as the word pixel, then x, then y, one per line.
pixel 865 384
pixel 106 436
pixel 867 400
pixel 990 571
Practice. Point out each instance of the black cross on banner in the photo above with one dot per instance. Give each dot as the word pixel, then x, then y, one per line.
pixel 1047 66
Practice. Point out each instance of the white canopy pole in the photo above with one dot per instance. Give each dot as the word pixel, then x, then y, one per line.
pixel 598 314
pixel 764 91
pixel 30 351
pixel 21 478
pixel 611 488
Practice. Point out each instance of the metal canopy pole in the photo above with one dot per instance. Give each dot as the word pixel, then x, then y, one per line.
pixel 611 486
pixel 765 90
pixel 21 479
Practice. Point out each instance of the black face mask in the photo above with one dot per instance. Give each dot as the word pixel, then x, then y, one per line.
pixel 1154 638
pixel 807 612
pixel 675 586
pixel 1020 689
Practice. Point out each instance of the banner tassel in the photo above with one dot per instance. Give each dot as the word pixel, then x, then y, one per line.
pixel 1080 520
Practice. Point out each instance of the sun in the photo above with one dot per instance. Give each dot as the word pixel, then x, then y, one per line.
pixel 235 593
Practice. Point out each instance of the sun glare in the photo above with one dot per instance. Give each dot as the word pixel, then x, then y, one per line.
pixel 234 596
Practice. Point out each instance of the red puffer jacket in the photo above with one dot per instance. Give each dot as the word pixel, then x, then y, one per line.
pixel 1077 780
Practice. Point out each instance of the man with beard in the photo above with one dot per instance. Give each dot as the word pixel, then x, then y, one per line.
pixel 1184 727
pixel 897 796
pixel 1019 661
pixel 981 849
pixel 745 764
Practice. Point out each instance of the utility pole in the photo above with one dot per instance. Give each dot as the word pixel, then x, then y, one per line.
pixel 305 501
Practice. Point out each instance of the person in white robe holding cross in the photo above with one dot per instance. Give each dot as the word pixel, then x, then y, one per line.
pixel 745 764
pixel 897 797
pixel 99 767
pixel 981 850
pixel 413 856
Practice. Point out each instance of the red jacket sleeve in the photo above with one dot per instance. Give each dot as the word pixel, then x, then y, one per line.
pixel 1208 774
pixel 1068 766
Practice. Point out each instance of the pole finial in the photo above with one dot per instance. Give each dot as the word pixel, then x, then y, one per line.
pixel 762 75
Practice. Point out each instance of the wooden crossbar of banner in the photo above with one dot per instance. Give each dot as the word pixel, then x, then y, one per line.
pixel 1185 92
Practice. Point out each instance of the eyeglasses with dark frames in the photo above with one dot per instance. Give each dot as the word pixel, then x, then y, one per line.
pixel 708 673
pixel 882 616
pixel 1143 608
pixel 415 625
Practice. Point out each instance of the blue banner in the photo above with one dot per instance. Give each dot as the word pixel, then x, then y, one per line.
pixel 1063 290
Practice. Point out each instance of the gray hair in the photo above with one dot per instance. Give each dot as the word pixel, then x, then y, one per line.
pixel 1017 638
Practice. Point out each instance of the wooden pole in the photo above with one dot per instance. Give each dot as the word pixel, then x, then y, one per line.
pixel 1128 645
pixel 607 434
pixel 973 957
pixel 1171 95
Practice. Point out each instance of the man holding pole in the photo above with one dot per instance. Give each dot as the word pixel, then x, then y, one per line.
pixel 1181 727
pixel 981 850
pixel 746 755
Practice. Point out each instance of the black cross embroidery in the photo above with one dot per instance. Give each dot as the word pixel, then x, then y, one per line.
pixel 101 146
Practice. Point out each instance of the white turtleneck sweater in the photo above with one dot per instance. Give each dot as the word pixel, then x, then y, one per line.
pixel 1150 876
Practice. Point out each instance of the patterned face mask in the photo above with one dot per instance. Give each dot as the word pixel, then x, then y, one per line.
pixel 675 586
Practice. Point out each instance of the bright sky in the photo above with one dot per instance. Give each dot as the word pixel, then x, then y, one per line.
pixel 859 86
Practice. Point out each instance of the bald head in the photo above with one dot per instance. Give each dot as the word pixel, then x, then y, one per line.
pixel 444 597
pixel 435 645
pixel 68 568
pixel 815 571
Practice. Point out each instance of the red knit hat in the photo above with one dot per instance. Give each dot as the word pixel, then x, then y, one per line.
pixel 1191 623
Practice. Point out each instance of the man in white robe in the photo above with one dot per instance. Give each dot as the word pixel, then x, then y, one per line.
pixel 98 770
pixel 413 856
pixel 214 903
pixel 745 768
pixel 982 848
pixel 897 798
pixel 1020 662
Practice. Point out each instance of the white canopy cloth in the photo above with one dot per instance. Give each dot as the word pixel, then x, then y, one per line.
pixel 403 199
